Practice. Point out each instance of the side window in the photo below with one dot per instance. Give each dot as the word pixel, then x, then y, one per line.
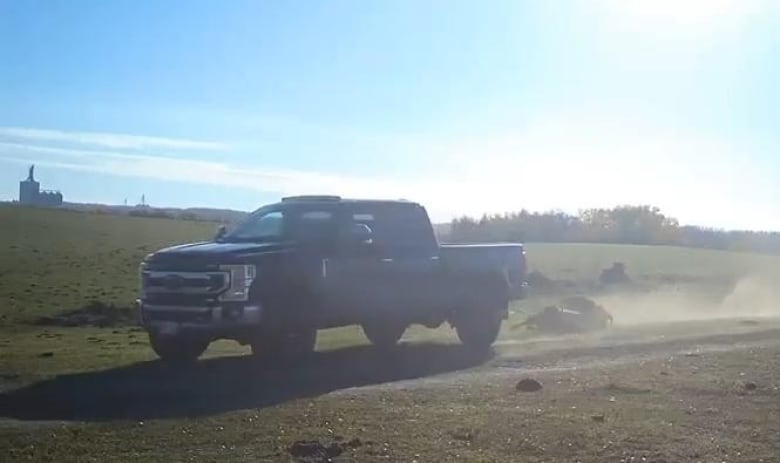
pixel 396 226
pixel 313 226
pixel 316 216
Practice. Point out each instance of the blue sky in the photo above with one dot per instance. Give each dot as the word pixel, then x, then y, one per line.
pixel 468 107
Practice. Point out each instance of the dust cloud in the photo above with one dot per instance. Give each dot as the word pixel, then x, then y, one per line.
pixel 754 296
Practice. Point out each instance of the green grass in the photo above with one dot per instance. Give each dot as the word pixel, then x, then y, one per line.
pixel 53 261
pixel 578 261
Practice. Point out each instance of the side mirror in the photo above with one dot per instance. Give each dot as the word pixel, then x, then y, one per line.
pixel 361 234
pixel 221 232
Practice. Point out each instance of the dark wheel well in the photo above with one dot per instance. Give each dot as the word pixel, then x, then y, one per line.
pixel 178 349
pixel 384 334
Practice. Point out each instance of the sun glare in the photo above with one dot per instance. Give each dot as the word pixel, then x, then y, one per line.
pixel 684 12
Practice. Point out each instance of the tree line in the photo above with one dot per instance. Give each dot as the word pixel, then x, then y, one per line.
pixel 622 224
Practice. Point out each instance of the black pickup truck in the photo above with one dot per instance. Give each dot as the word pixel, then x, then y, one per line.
pixel 315 262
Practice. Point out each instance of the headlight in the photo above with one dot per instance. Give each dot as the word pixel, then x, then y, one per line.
pixel 241 278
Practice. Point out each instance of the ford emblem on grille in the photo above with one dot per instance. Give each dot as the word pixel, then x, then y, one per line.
pixel 172 282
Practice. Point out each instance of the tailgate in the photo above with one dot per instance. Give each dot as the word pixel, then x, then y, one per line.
pixel 485 258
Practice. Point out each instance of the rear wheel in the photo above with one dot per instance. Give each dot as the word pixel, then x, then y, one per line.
pixel 479 330
pixel 177 349
pixel 478 324
pixel 288 346
pixel 384 335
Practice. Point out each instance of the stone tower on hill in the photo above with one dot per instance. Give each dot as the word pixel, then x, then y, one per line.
pixel 30 192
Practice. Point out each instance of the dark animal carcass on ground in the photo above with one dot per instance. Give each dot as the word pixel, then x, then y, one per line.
pixel 572 315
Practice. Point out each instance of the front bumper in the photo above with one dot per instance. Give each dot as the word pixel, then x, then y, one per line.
pixel 213 321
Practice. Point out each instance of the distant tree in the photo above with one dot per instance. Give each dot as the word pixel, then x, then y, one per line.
pixel 621 224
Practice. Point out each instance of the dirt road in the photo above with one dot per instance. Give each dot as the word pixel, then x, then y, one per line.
pixel 623 345
pixel 689 391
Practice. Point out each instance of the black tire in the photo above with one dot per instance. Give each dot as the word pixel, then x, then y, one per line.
pixel 478 324
pixel 287 346
pixel 177 349
pixel 479 330
pixel 384 335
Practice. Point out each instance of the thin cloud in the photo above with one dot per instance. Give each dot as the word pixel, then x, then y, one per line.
pixel 108 140
pixel 564 160
pixel 283 181
pixel 445 198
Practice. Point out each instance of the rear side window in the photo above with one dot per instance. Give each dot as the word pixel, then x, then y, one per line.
pixel 363 218
pixel 396 225
pixel 316 216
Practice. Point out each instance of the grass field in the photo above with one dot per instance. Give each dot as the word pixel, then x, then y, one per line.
pixel 53 261
pixel 653 263
pixel 86 393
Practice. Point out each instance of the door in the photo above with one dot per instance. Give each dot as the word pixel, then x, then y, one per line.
pixel 355 278
pixel 396 274
pixel 314 229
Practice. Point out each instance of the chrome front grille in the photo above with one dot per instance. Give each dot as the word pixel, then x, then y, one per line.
pixel 175 282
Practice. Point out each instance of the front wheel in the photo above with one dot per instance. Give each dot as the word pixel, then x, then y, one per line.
pixel 384 335
pixel 177 349
pixel 478 331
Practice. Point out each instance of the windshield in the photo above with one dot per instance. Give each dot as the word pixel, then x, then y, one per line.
pixel 263 225
pixel 294 224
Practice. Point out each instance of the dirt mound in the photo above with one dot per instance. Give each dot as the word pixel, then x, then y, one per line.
pixel 541 284
pixel 538 280
pixel 614 275
pixel 316 451
pixel 528 385
pixel 572 315
pixel 95 313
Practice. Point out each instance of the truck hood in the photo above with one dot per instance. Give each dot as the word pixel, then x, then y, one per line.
pixel 213 253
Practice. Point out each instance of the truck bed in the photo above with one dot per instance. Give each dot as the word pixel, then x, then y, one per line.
pixel 481 258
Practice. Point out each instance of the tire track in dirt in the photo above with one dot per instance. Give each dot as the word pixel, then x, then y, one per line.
pixel 590 354
pixel 635 352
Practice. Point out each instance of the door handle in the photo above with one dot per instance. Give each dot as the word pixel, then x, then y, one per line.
pixel 387 260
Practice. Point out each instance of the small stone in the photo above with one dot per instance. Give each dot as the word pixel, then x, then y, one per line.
pixel 750 386
pixel 528 385
pixel 46 354
pixel 598 418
